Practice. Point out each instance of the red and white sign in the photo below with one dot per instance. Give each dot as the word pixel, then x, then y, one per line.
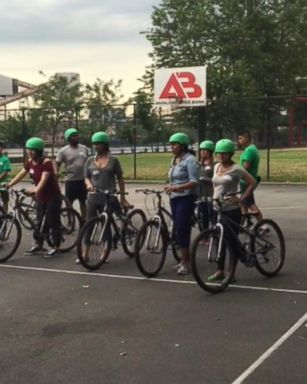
pixel 185 86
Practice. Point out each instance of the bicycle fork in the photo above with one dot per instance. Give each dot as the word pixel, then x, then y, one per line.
pixel 218 227
pixel 102 231
pixel 156 219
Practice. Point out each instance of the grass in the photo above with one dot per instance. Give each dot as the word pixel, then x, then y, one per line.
pixel 285 166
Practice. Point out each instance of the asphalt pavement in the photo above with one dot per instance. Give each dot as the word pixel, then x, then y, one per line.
pixel 62 324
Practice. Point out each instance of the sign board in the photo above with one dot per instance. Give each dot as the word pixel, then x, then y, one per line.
pixel 185 87
pixel 6 86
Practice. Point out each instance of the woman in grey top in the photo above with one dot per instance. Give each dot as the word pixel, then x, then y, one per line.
pixel 103 171
pixel 226 180
pixel 183 176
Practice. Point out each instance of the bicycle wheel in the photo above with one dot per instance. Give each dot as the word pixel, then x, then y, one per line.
pixel 269 246
pixel 65 202
pixel 150 249
pixel 207 259
pixel 26 212
pixel 70 228
pixel 10 237
pixel 94 243
pixel 135 219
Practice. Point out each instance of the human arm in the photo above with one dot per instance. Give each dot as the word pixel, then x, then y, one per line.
pixel 121 186
pixel 246 165
pixel 3 175
pixel 20 175
pixel 88 184
pixel 251 184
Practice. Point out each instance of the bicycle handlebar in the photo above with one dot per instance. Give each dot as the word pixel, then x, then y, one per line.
pixel 107 192
pixel 147 191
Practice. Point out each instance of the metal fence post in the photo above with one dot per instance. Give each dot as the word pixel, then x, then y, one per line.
pixel 269 128
pixel 134 141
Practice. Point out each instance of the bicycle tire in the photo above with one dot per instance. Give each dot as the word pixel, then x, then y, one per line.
pixel 268 263
pixel 70 228
pixel 135 220
pixel 150 249
pixel 174 246
pixel 94 254
pixel 204 262
pixel 10 237
pixel 27 209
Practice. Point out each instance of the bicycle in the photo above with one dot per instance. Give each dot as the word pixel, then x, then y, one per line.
pixel 263 247
pixel 10 235
pixel 11 232
pixel 154 237
pixel 102 233
pixel 27 203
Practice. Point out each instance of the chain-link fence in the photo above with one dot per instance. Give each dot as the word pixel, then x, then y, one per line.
pixel 139 133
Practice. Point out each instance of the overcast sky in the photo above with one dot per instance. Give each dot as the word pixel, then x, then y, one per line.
pixel 95 38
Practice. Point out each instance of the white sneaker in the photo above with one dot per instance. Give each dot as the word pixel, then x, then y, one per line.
pixel 183 270
pixel 176 267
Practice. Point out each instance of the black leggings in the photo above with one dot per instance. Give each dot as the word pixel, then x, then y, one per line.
pixel 231 231
pixel 52 209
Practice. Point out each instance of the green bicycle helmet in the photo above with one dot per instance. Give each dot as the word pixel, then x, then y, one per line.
pixel 180 138
pixel 69 132
pixel 208 145
pixel 100 138
pixel 225 146
pixel 35 143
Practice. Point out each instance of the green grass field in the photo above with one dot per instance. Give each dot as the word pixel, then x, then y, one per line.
pixel 285 166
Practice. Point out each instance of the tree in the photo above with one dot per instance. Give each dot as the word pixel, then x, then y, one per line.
pixel 58 100
pixel 254 49
pixel 103 102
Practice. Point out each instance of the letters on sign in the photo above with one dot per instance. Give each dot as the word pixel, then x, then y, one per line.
pixel 182 85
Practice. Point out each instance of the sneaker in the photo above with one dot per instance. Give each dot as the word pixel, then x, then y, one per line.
pixel 51 253
pixel 176 267
pixel 35 250
pixel 77 261
pixel 216 277
pixel 182 270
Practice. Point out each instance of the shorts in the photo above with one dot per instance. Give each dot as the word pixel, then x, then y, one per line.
pixel 76 190
pixel 249 201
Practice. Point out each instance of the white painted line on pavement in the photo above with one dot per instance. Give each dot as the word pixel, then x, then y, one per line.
pixel 271 350
pixel 283 207
pixel 130 277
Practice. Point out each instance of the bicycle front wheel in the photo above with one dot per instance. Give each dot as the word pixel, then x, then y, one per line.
pixel 269 246
pixel 209 256
pixel 70 228
pixel 150 249
pixel 135 219
pixel 26 212
pixel 94 243
pixel 10 237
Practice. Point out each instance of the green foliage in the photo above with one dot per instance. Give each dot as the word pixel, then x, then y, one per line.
pixel 254 49
pixel 59 100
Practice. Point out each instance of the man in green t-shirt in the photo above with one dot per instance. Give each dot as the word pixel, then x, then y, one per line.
pixel 5 169
pixel 249 160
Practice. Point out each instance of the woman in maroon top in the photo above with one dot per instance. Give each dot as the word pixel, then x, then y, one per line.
pixel 47 192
